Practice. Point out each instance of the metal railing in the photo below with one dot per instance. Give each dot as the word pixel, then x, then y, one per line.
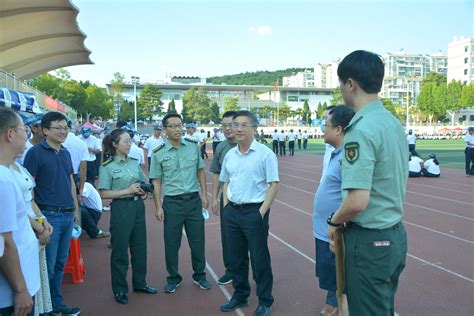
pixel 8 80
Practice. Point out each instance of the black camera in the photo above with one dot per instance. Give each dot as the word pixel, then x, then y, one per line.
pixel 147 187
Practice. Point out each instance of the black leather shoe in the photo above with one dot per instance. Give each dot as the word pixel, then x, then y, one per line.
pixel 233 305
pixel 262 310
pixel 147 289
pixel 121 298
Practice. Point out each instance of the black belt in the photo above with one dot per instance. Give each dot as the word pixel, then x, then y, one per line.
pixel 352 225
pixel 128 198
pixel 57 209
pixel 244 206
pixel 182 197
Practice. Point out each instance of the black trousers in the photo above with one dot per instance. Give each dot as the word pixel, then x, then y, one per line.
pixel 299 143
pixel 411 148
pixel 275 147
pixel 203 151
pixel 305 143
pixel 214 146
pixel 89 220
pixel 247 232
pixel 91 172
pixel 282 148
pixel 469 154
pixel 291 147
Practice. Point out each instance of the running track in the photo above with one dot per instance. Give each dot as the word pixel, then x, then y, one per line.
pixel 438 279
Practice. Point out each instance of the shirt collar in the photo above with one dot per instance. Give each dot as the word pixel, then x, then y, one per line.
pixel 376 105
pixel 253 147
pixel 168 145
pixel 118 160
pixel 46 145
pixel 336 152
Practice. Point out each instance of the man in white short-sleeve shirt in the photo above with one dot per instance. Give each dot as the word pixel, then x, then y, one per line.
pixel 153 142
pixel 79 157
pixel 19 266
pixel 91 211
pixel 94 147
pixel 250 176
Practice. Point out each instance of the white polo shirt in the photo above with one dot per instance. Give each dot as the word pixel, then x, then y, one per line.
pixel 327 157
pixel 291 137
pixel 91 198
pixel 28 146
pixel 91 142
pixel 137 153
pixel 305 136
pixel 414 164
pixel 411 139
pixel 300 135
pixel 14 219
pixel 249 174
pixel 78 150
pixel 151 143
pixel 469 138
pixel 275 136
pixel 281 137
pixel 431 167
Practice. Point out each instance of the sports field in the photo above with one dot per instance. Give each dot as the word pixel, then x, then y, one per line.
pixel 450 153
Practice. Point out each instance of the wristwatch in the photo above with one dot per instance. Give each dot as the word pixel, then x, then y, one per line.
pixel 330 223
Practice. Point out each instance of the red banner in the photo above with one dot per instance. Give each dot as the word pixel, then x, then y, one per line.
pixel 54 105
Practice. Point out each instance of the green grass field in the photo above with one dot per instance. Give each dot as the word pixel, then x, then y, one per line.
pixel 450 153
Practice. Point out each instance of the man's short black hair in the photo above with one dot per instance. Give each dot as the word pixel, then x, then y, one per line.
pixel 171 114
pixel 120 124
pixel 250 115
pixel 52 117
pixel 229 114
pixel 341 115
pixel 8 118
pixel 363 67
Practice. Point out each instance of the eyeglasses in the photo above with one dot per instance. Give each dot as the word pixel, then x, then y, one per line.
pixel 241 125
pixel 60 128
pixel 178 126
pixel 20 127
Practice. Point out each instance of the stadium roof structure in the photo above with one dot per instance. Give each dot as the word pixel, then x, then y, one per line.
pixel 39 36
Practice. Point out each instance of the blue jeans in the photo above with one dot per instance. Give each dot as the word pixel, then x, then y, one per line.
pixel 57 251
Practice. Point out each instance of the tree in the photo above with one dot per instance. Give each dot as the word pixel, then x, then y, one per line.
pixel 149 102
pixel 216 117
pixel 284 112
pixel 436 78
pixel 126 111
pixel 336 98
pixel 453 98
pixel 98 102
pixel 231 104
pixel 73 94
pixel 196 106
pixel 425 99
pixel 388 104
pixel 299 113
pixel 321 109
pixel 171 106
pixel 467 96
pixel 117 87
pixel 306 111
pixel 63 74
pixel 47 83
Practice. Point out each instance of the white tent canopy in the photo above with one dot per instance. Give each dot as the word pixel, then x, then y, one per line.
pixel 39 36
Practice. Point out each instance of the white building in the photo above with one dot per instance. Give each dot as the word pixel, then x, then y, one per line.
pixel 303 79
pixel 404 73
pixel 325 75
pixel 461 60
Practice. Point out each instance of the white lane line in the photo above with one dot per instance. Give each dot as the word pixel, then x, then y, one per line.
pixel 438 211
pixel 407 191
pixel 441 268
pixel 438 232
pixel 221 287
pixel 408 254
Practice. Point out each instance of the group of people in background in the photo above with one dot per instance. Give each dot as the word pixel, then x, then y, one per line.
pixel 280 139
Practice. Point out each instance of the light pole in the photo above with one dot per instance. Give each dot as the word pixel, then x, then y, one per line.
pixel 135 81
pixel 408 104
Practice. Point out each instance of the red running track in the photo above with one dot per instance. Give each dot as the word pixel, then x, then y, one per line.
pixel 438 279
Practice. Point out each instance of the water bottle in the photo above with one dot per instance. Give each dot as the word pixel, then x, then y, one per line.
pixel 205 214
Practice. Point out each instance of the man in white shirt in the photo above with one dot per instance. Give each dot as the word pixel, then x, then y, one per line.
pixel 135 151
pixel 19 265
pixel 79 157
pixel 305 140
pixel 431 167
pixel 91 211
pixel 153 142
pixel 275 141
pixel 411 138
pixel 250 176
pixel 94 147
pixel 291 143
pixel 299 137
pixel 191 133
pixel 282 143
pixel 203 140
pixel 415 164
pixel 469 151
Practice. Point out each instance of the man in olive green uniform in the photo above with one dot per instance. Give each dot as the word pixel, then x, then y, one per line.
pixel 216 167
pixel 176 166
pixel 374 179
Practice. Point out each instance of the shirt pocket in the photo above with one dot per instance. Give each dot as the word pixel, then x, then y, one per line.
pixel 189 162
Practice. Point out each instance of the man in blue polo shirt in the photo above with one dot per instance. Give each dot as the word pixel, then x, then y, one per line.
pixel 328 198
pixel 55 193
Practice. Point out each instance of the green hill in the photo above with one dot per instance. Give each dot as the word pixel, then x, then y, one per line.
pixel 264 78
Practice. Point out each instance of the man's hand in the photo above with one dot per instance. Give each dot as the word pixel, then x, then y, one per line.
pixel 215 207
pixel 45 236
pixel 134 189
pixel 332 232
pixel 76 216
pixel 262 212
pixel 204 202
pixel 159 214
pixel 22 303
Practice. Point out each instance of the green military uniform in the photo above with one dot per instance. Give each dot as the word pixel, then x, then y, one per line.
pixel 127 223
pixel 177 168
pixel 375 159
pixel 215 168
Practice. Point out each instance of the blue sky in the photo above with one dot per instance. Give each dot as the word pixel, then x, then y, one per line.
pixel 149 38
